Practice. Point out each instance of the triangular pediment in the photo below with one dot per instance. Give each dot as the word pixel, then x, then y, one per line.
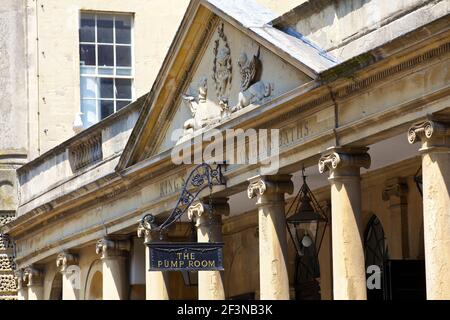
pixel 216 67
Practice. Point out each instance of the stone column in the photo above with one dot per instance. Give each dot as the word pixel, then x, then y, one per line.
pixel 209 229
pixel 395 192
pixel 67 264
pixel 273 275
pixel 22 290
pixel 435 150
pixel 35 279
pixel 114 253
pixel 156 282
pixel 343 164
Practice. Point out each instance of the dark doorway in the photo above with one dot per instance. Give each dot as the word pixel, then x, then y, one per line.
pixel 399 279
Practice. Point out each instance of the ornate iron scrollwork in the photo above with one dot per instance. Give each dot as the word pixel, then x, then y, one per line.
pixel 203 176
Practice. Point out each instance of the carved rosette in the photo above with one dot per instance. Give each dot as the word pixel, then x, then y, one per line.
pixel 431 133
pixel 33 276
pixel 264 185
pixel 65 259
pixel 110 248
pixel 341 161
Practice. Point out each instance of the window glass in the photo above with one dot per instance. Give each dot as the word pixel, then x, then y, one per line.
pixel 123 89
pixel 105 55
pixel 89 110
pixel 106 64
pixel 88 87
pixel 87 54
pixel 106 108
pixel 121 104
pixel 105 29
pixel 123 29
pixel 87 28
pixel 106 88
pixel 123 56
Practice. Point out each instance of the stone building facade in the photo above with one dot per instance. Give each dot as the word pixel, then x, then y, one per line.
pixel 352 86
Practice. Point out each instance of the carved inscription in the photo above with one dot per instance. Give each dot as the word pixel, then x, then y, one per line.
pixel 295 132
pixel 170 186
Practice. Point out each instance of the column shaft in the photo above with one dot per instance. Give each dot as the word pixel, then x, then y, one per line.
pixel 209 229
pixel 273 273
pixel 349 278
pixel 68 266
pixel 114 256
pixel 436 220
pixel 435 138
pixel 35 283
pixel 156 282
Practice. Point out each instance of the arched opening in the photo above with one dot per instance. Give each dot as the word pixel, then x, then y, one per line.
pixel 96 287
pixel 376 258
pixel 56 290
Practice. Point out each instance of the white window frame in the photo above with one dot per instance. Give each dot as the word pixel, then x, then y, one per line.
pixel 114 75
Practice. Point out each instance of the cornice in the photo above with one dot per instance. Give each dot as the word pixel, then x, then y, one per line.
pixel 286 108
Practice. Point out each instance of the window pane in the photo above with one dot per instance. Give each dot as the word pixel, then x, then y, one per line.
pixel 107 71
pixel 123 29
pixel 88 87
pixel 106 108
pixel 123 88
pixel 105 29
pixel 121 104
pixel 123 71
pixel 89 110
pixel 87 70
pixel 105 56
pixel 106 88
pixel 123 56
pixel 87 28
pixel 87 54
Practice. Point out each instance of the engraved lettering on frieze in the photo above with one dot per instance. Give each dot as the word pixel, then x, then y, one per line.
pixel 170 186
pixel 293 133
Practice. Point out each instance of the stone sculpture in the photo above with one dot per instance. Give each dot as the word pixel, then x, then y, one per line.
pixel 222 70
pixel 252 90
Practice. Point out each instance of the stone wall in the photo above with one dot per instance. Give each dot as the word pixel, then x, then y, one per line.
pixel 350 27
pixel 13 128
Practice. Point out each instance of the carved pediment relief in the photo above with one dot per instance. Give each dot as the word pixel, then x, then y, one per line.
pixel 233 73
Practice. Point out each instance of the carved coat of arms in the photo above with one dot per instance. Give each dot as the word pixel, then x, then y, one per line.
pixel 222 68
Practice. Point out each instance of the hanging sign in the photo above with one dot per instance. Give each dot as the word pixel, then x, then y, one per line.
pixel 190 256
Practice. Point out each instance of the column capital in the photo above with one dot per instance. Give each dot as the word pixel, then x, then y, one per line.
pixel 201 211
pixel 151 234
pixel 274 184
pixel 19 276
pixel 434 135
pixel 65 259
pixel 344 161
pixel 396 187
pixel 109 247
pixel 33 275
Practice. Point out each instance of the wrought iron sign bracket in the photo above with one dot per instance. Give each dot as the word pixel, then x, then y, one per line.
pixel 203 176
